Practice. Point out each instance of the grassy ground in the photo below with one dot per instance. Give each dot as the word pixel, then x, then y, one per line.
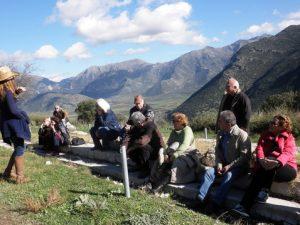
pixel 67 194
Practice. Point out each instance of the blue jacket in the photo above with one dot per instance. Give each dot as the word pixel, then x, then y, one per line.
pixel 109 120
pixel 13 121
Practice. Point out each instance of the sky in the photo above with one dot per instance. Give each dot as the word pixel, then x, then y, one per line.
pixel 61 38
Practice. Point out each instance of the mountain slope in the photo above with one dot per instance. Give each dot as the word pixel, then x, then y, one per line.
pixel 260 67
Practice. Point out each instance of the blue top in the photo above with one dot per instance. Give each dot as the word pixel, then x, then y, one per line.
pixel 13 121
pixel 109 120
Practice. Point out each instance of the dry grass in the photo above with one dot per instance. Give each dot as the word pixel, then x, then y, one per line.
pixel 37 205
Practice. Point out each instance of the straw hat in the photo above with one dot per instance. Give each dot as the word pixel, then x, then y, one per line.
pixel 6 73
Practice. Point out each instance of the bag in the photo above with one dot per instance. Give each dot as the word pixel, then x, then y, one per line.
pixel 77 141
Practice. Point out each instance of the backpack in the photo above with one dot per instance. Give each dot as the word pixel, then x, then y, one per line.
pixel 77 141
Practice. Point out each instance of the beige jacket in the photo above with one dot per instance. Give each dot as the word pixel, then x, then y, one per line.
pixel 238 149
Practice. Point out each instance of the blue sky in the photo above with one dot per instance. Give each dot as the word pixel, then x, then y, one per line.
pixel 61 38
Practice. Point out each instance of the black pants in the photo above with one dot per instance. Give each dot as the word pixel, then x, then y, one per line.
pixel 263 179
pixel 141 155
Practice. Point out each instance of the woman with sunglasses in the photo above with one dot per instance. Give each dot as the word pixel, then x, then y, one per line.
pixel 13 123
pixel 276 161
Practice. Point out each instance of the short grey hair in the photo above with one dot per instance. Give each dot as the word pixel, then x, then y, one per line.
pixel 137 117
pixel 228 116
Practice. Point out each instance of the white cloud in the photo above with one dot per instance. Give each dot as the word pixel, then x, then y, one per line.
pixel 56 77
pixel 111 52
pixel 16 57
pixel 259 29
pixel 132 51
pixel 166 23
pixel 46 52
pixel 292 19
pixel 215 39
pixel 225 32
pixel 77 50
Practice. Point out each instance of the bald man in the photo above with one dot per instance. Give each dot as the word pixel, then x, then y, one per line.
pixel 236 101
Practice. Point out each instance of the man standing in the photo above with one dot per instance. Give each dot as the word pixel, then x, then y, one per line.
pixel 141 106
pixel 233 151
pixel 143 142
pixel 238 102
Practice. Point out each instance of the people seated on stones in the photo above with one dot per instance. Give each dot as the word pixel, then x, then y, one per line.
pixel 61 116
pixel 140 106
pixel 50 135
pixel 276 161
pixel 143 142
pixel 180 141
pixel 60 113
pixel 232 152
pixel 106 128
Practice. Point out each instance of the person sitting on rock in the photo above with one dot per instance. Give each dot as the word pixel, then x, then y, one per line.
pixel 143 142
pixel 139 106
pixel 106 128
pixel 62 119
pixel 45 131
pixel 180 141
pixel 60 113
pixel 276 161
pixel 232 152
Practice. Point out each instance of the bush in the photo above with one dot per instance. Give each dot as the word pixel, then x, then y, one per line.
pixel 86 111
pixel 204 120
pixel 286 100
pixel 37 119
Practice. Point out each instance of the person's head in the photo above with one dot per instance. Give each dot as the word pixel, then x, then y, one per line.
pixel 137 118
pixel 139 102
pixel 7 81
pixel 102 106
pixel 226 120
pixel 47 121
pixel 179 120
pixel 279 123
pixel 232 86
pixel 57 108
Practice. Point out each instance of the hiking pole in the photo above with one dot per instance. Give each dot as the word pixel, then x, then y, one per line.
pixel 125 171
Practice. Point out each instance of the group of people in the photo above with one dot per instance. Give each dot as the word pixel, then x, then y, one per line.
pixel 54 132
pixel 164 163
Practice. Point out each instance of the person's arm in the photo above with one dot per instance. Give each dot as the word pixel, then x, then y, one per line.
pixel 12 106
pixel 246 105
pixel 245 152
pixel 188 138
pixel 218 154
pixel 288 151
pixel 259 149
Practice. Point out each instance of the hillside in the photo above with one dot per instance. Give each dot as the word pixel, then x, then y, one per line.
pixel 265 67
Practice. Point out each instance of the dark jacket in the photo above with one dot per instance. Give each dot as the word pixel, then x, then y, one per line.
pixel 147 111
pixel 60 115
pixel 13 121
pixel 148 134
pixel 240 105
pixel 109 120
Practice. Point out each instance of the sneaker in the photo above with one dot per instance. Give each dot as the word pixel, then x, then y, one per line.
pixel 161 156
pixel 262 196
pixel 240 210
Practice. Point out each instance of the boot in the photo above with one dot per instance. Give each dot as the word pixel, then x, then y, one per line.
pixel 19 163
pixel 7 174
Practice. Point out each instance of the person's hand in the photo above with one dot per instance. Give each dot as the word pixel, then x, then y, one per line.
pixel 225 169
pixel 19 90
pixel 166 158
pixel 127 127
pixel 219 171
pixel 271 164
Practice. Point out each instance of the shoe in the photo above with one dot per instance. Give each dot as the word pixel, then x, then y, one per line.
pixel 262 196
pixel 19 164
pixel 240 210
pixel 161 156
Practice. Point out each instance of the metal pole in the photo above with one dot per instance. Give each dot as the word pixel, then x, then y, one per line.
pixel 125 171
pixel 205 131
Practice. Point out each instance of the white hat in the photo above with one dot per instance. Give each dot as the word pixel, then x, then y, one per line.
pixel 103 104
pixel 6 73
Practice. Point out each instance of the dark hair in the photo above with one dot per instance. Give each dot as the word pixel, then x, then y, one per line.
pixel 228 116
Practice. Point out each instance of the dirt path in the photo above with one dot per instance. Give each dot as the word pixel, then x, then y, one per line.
pixel 9 217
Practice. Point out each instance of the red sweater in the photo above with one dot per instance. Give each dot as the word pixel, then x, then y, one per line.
pixel 281 147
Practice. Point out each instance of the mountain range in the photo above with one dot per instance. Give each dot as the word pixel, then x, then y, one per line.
pixel 268 66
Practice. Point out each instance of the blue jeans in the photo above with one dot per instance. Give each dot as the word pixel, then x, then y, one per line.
pixel 227 179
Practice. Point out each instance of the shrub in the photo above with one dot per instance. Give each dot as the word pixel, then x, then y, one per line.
pixel 86 111
pixel 204 120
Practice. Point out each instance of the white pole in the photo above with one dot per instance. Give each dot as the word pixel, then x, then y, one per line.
pixel 205 131
pixel 125 171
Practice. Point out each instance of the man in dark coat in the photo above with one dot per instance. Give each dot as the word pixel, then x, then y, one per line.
pixel 238 102
pixel 141 106
pixel 106 127
pixel 143 142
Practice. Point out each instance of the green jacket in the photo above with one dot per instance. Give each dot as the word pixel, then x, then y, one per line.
pixel 186 140
pixel 238 149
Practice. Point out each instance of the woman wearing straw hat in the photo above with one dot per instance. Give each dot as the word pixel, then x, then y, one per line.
pixel 13 123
